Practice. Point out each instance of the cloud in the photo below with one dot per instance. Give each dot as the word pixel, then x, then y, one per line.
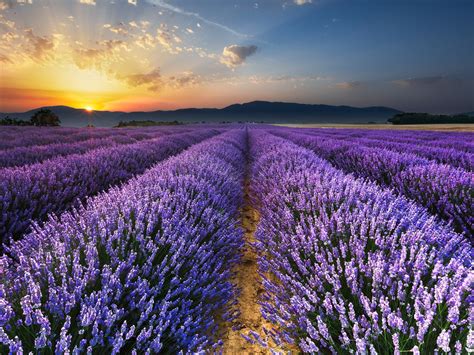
pixel 151 79
pixel 99 58
pixel 9 37
pixel 120 28
pixel 177 10
pixel 5 24
pixel 133 2
pixel 302 2
pixel 146 41
pixel 262 79
pixel 4 5
pixel 10 4
pixel 154 81
pixel 235 55
pixel 138 33
pixel 167 39
pixel 348 84
pixel 87 2
pixel 422 81
pixel 40 48
pixel 4 59
pixel 184 79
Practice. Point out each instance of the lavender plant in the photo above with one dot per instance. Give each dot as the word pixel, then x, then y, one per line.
pixel 350 267
pixel 447 156
pixel 142 269
pixel 35 154
pixel 446 191
pixel 459 141
pixel 32 192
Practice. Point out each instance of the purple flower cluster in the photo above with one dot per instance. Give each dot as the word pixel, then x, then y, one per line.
pixel 351 267
pixel 447 156
pixel 12 137
pixel 144 268
pixel 461 141
pixel 444 190
pixel 32 192
pixel 34 154
pixel 440 149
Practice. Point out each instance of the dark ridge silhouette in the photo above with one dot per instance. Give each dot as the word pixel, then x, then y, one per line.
pixel 255 111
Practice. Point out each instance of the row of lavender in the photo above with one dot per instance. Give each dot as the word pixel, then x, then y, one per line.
pixel 143 268
pixel 350 267
pixel 30 193
pixel 432 151
pixel 17 137
pixel 446 191
pixel 461 141
pixel 14 137
pixel 440 150
pixel 37 153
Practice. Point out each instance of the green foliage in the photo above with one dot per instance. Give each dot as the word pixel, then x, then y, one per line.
pixel 45 117
pixel 426 118
pixel 146 123
pixel 13 121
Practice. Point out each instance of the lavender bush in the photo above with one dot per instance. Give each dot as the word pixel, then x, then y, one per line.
pixel 13 137
pixel 110 261
pixel 350 267
pixel 32 192
pixel 34 154
pixel 448 156
pixel 446 191
pixel 460 141
pixel 142 269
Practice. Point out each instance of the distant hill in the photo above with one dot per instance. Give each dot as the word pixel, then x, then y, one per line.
pixel 256 111
pixel 73 117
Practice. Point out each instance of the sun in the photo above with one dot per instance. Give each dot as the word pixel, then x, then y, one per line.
pixel 88 108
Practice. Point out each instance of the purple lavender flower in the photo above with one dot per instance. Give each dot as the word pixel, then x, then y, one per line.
pixel 147 263
pixel 375 268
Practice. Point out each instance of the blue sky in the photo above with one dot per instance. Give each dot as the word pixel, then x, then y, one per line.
pixel 412 55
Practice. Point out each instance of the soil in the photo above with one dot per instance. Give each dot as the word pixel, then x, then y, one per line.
pixel 248 280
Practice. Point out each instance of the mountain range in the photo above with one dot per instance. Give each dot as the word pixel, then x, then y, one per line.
pixel 256 111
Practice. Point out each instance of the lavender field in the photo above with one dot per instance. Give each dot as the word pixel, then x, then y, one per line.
pixel 236 239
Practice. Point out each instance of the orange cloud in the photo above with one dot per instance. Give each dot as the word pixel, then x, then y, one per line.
pixel 152 80
pixel 40 47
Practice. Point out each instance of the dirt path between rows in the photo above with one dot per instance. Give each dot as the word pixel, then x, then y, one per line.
pixel 248 280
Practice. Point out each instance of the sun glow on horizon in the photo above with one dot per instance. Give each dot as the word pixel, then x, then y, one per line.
pixel 88 108
pixel 148 55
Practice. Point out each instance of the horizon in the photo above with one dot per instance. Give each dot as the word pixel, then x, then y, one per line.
pixel 91 110
pixel 148 55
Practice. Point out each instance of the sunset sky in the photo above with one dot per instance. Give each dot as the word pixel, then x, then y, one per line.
pixel 142 55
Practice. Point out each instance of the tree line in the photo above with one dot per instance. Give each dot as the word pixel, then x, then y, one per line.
pixel 147 123
pixel 43 117
pixel 426 118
